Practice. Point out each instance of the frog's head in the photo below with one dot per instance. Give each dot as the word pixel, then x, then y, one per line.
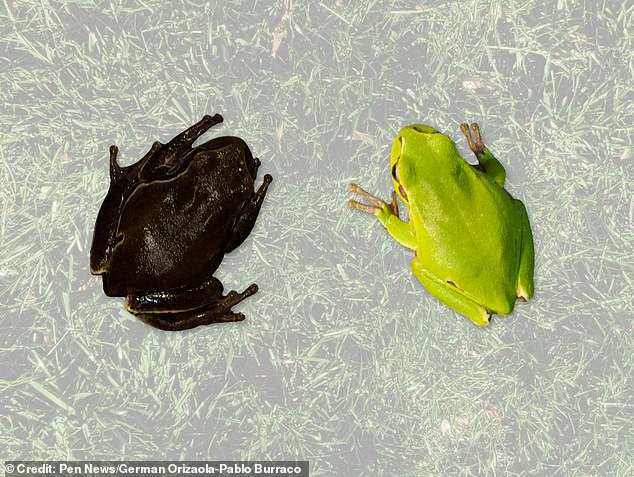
pixel 414 150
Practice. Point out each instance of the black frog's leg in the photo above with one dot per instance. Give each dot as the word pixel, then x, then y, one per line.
pixel 176 300
pixel 165 159
pixel 248 215
pixel 185 139
pixel 191 320
pixel 122 182
pixel 218 311
pixel 487 161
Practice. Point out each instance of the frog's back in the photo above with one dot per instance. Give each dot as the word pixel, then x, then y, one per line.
pixel 187 221
pixel 472 223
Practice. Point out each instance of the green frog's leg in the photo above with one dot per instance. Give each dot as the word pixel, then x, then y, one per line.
pixel 248 215
pixel 488 163
pixel 525 284
pixel 387 214
pixel 450 296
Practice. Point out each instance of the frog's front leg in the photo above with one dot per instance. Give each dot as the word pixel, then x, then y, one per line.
pixel 450 296
pixel 187 308
pixel 387 214
pixel 492 167
pixel 185 139
pixel 248 215
pixel 164 160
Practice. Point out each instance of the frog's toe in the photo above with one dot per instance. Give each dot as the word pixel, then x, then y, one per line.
pixel 251 289
pixel 233 297
pixel 476 146
pixel 368 209
pixel 352 187
pixel 378 206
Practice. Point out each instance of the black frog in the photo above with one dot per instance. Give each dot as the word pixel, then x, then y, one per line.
pixel 167 222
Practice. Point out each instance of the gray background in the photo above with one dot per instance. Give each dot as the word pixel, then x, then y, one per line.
pixel 344 358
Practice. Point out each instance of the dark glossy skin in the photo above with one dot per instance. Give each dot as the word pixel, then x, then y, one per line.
pixel 167 222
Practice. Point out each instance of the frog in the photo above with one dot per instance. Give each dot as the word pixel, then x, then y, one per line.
pixel 167 222
pixel 472 241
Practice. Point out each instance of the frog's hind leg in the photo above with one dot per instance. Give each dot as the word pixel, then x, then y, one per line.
pixel 488 164
pixel 180 299
pixel 248 216
pixel 186 323
pixel 450 296
pixel 525 283
pixel 219 311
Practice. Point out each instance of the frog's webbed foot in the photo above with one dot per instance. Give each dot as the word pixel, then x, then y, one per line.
pixel 476 146
pixel 249 214
pixel 378 206
pixel 202 305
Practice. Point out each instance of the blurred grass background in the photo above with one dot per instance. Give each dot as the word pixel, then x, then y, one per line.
pixel 344 359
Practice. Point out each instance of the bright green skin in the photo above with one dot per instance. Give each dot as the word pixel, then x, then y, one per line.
pixel 473 241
